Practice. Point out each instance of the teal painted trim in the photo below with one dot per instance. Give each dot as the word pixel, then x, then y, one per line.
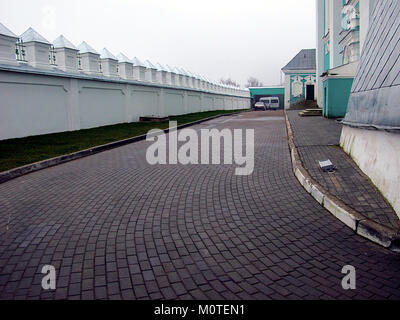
pixel 336 97
pixel 327 60
pixel 344 20
pixel 293 99
pixel 273 92
pixel 266 91
pixel 324 17
pixel 302 74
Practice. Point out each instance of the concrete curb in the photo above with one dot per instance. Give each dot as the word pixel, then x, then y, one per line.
pixel 382 235
pixel 20 171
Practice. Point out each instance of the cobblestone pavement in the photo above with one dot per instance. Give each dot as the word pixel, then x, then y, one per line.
pixel 317 139
pixel 117 228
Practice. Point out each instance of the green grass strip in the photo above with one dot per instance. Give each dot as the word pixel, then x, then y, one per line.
pixel 22 151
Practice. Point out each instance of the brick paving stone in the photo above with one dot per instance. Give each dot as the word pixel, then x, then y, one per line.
pixel 318 139
pixel 117 228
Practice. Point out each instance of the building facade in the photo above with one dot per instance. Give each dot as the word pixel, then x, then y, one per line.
pixel 300 77
pixel 371 131
pixel 272 91
pixel 342 26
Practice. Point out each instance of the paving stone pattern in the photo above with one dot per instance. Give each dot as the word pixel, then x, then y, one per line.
pixel 115 227
pixel 317 139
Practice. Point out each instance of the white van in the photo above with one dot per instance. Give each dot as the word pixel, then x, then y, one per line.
pixel 270 102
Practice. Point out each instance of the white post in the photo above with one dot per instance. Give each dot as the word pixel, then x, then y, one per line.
pixel 7 46
pixel 151 71
pixel 173 75
pixel 164 74
pixel 37 49
pixel 139 70
pixel 90 59
pixel 66 54
pixel 125 67
pixel 179 77
pixel 109 63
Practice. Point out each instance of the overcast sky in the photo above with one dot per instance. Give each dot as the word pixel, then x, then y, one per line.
pixel 215 38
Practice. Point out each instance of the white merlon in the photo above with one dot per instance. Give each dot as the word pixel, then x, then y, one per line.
pixel 6 32
pixel 33 49
pixel 37 49
pixel 89 58
pixel 125 67
pixel 151 71
pixel 7 46
pixel 179 77
pixel 139 70
pixel 123 58
pixel 31 35
pixel 161 74
pixel 173 75
pixel 84 47
pixel 66 54
pixel 63 42
pixel 105 54
pixel 109 63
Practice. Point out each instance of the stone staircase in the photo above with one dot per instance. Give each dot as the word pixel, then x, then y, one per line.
pixel 311 112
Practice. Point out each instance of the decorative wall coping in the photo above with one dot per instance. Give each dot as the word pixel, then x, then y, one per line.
pixel 23 68
pixel 31 48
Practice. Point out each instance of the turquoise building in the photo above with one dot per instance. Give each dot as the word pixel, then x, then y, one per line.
pixel 300 77
pixel 273 91
pixel 342 26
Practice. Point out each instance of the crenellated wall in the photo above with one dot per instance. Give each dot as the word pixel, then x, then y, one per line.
pixel 53 87
pixel 33 102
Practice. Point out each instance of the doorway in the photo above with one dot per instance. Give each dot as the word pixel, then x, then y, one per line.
pixel 310 94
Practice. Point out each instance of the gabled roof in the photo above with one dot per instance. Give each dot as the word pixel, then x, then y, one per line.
pixel 63 42
pixel 161 67
pixel 304 60
pixel 190 74
pixel 123 58
pixel 31 35
pixel 105 54
pixel 170 69
pixel 184 72
pixel 137 62
pixel 149 65
pixel 178 71
pixel 7 32
pixel 85 48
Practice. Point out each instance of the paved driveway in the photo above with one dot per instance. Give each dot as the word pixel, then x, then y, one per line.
pixel 115 227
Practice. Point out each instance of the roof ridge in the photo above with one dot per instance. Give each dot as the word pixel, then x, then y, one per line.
pixel 305 59
pixel 63 42
pixel 84 47
pixel 31 35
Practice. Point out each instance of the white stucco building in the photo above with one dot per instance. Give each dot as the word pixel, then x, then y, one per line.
pixel 300 77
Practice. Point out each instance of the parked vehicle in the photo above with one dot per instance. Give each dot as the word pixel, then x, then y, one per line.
pixel 270 102
pixel 259 106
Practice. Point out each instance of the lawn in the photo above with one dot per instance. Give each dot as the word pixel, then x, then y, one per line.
pixel 18 152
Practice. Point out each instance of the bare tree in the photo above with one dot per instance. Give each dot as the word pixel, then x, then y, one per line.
pixel 230 82
pixel 253 82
